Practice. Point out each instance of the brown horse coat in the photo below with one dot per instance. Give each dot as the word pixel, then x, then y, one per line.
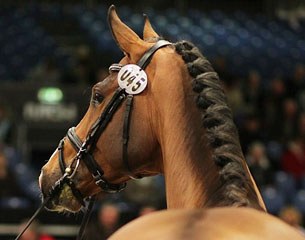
pixel 211 224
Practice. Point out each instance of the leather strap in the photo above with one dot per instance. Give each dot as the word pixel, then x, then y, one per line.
pixel 74 139
pixel 60 150
pixel 70 182
pixel 146 58
pixel 126 126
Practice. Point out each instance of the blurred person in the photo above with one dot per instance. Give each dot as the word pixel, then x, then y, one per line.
pixel 5 125
pixel 301 127
pixel 293 159
pixel 146 191
pixel 297 83
pixel 253 94
pixel 250 131
pixel 8 182
pixel 235 97
pixel 258 163
pixel 293 217
pixel 221 67
pixel 33 232
pixel 106 223
pixel 289 119
pixel 273 108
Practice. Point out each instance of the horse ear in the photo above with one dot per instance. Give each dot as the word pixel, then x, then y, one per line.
pixel 148 32
pixel 126 39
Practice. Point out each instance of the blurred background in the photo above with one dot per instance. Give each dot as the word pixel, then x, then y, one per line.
pixel 52 53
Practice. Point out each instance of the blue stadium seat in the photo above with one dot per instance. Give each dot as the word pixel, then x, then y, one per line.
pixel 159 22
pixel 14 203
pixel 285 184
pixel 302 183
pixel 299 201
pixel 172 14
pixel 273 199
pixel 238 35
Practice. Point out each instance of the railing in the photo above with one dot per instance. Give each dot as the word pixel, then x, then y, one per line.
pixel 53 230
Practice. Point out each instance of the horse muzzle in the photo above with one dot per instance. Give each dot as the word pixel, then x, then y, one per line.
pixel 59 196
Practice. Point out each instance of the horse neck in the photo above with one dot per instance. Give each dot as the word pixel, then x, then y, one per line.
pixel 192 178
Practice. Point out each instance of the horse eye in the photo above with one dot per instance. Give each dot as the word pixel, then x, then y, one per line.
pixel 97 97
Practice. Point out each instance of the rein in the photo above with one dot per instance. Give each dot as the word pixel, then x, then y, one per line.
pixel 85 149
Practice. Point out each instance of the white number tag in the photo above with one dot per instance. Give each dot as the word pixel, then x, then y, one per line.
pixel 132 78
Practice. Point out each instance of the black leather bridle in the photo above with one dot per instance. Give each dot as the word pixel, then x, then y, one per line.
pixel 85 148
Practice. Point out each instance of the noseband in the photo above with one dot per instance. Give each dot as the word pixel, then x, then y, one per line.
pixel 85 148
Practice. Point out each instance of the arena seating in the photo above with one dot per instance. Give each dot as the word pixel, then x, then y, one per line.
pixel 23 44
pixel 274 199
pixel 248 42
pixel 286 185
pixel 299 201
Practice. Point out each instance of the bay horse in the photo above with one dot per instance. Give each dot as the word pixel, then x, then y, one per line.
pixel 162 109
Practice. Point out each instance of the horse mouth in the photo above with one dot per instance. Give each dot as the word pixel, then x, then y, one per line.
pixel 65 201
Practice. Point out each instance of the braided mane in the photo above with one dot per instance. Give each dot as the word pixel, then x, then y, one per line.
pixel 236 187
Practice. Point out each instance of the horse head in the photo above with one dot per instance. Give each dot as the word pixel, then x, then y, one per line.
pixel 162 109
pixel 116 138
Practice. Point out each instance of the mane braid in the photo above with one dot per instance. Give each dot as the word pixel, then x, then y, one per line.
pixel 236 188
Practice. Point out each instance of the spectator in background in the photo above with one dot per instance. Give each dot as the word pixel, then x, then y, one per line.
pixel 293 159
pixel 146 191
pixel 293 217
pixel 107 222
pixel 258 163
pixel 273 108
pixel 289 119
pixel 8 182
pixel 234 96
pixel 253 94
pixel 301 127
pixel 5 125
pixel 220 65
pixel 251 131
pixel 297 82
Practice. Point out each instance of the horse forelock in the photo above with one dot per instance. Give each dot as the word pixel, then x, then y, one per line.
pixel 221 132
